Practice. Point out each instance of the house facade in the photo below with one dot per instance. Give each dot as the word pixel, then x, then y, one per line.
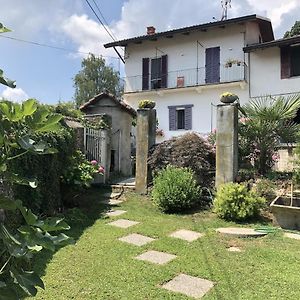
pixel 185 70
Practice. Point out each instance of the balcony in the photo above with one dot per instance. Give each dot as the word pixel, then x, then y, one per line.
pixel 187 78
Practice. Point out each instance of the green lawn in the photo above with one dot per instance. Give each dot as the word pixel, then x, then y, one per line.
pixel 99 266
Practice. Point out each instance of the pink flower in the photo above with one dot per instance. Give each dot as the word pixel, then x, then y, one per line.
pixel 94 162
pixel 101 170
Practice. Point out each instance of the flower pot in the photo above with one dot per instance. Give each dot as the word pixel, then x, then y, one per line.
pixel 286 215
pixel 229 99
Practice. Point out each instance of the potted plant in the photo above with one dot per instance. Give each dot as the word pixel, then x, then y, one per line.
pixel 146 104
pixel 228 97
pixel 230 62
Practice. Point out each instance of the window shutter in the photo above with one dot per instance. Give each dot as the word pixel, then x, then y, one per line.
pixel 188 118
pixel 285 55
pixel 172 118
pixel 164 71
pixel 145 74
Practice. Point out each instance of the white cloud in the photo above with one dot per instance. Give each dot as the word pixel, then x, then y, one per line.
pixel 16 94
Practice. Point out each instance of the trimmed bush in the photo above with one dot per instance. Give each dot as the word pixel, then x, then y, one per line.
pixel 187 151
pixel 235 203
pixel 175 189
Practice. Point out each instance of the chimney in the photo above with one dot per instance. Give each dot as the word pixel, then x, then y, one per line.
pixel 150 30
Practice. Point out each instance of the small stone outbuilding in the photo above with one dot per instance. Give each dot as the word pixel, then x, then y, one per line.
pixel 121 122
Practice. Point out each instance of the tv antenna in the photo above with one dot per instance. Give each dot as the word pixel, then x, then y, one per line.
pixel 225 5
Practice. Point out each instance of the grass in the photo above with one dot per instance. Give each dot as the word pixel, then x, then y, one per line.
pixel 99 266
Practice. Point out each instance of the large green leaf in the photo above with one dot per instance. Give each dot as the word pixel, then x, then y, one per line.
pixel 6 203
pixel 54 224
pixel 51 124
pixel 26 142
pixel 17 179
pixel 4 29
pixel 8 294
pixel 29 216
pixel 27 281
pixel 29 107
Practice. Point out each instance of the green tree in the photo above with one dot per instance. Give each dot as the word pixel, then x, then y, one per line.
pixel 94 77
pixel 269 121
pixel 295 30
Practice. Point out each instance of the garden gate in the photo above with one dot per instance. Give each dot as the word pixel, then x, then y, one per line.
pixel 97 147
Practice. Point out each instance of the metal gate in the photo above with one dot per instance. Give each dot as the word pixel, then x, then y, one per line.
pixel 93 140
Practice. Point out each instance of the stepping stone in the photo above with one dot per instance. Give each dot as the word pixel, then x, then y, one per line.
pixel 115 213
pixel 156 257
pixel 187 235
pixel 123 223
pixel 240 232
pixel 112 201
pixel 189 285
pixel 234 249
pixel 295 236
pixel 112 195
pixel 136 239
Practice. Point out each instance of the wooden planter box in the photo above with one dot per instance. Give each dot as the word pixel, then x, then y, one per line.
pixel 287 216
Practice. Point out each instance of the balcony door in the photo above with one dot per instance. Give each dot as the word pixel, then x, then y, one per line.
pixel 212 65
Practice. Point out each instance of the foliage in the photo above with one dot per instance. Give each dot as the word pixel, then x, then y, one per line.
pixel 18 124
pixel 295 30
pixel 268 122
pixel 235 203
pixel 189 150
pixel 81 172
pixel 94 77
pixel 175 189
pixel 296 173
pixel 265 188
pixel 147 104
pixel 68 109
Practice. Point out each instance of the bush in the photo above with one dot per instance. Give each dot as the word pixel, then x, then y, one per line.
pixel 187 151
pixel 235 203
pixel 175 189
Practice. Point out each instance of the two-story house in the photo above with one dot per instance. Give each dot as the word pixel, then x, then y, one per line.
pixel 185 70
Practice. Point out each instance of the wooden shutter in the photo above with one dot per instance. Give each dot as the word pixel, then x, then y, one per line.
pixel 172 118
pixel 188 118
pixel 145 74
pixel 285 55
pixel 164 71
pixel 212 65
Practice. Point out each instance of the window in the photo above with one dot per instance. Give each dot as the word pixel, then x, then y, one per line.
pixel 180 117
pixel 290 61
pixel 155 73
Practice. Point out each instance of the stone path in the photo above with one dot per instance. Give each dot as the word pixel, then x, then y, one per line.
pixel 187 235
pixel 136 239
pixel 156 257
pixel 292 235
pixel 189 285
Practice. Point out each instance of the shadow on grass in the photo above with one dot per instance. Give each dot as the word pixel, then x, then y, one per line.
pixel 80 218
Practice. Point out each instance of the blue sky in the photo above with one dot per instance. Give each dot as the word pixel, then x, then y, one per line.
pixel 46 74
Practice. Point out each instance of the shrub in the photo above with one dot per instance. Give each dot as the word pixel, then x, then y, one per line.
pixel 234 202
pixel 146 104
pixel 175 189
pixel 265 188
pixel 187 151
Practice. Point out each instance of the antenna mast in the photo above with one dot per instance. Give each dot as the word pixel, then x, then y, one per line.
pixel 225 5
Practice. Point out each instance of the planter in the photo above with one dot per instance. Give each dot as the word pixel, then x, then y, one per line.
pixel 229 99
pixel 286 215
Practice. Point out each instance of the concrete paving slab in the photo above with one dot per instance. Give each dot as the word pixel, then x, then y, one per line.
pixel 123 223
pixel 136 239
pixel 290 235
pixel 240 232
pixel 187 235
pixel 189 285
pixel 112 195
pixel 234 249
pixel 115 213
pixel 156 257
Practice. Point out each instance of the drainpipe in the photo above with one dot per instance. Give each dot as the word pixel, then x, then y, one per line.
pixel 249 75
pixel 120 137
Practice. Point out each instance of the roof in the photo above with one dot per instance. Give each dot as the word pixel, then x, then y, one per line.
pixel 264 24
pixel 106 95
pixel 276 43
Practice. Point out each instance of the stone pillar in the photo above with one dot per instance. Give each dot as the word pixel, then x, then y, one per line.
pixel 227 143
pixel 145 138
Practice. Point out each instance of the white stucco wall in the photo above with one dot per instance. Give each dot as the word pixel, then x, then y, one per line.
pixel 265 74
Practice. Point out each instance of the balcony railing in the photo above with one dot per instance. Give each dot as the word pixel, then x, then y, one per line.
pixel 187 78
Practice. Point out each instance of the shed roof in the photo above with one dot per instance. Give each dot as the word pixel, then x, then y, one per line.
pixel 265 26
pixel 124 106
pixel 276 43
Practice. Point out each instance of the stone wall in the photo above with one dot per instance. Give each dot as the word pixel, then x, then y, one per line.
pixel 286 159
